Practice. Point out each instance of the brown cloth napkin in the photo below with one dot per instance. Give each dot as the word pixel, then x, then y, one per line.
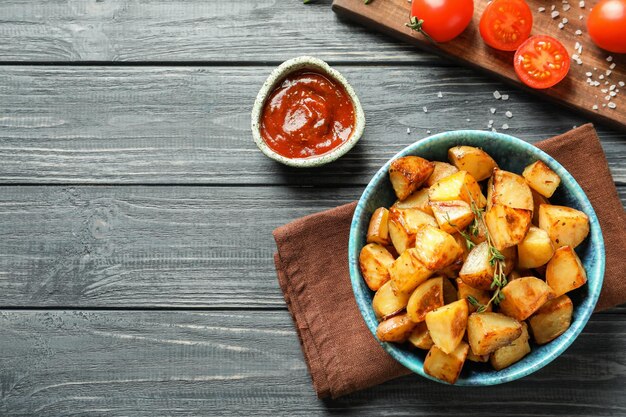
pixel 312 267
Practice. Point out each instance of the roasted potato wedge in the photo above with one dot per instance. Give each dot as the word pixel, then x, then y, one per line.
pixel 435 248
pixel 442 170
pixel 377 231
pixel 418 200
pixel 473 160
pixel 565 272
pixel 524 296
pixel 552 319
pixel 510 190
pixel 487 332
pixel 420 338
pixel 403 224
pixel 458 186
pixel 408 173
pixel 452 216
pixel 447 324
pixel 565 225
pixel 465 290
pixel 508 355
pixel 375 261
pixel 427 297
pixel 386 303
pixel 507 225
pixel 407 272
pixel 538 200
pixel 477 272
pixel 444 366
pixel 541 178
pixel 396 329
pixel 535 250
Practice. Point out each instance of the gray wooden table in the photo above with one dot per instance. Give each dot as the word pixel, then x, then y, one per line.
pixel 136 273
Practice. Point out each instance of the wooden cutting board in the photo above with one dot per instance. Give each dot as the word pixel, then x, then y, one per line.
pixel 390 16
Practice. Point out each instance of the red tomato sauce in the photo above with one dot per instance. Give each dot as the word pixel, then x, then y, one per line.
pixel 307 114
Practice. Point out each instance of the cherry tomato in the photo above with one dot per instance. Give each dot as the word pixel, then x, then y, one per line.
pixel 541 62
pixel 506 24
pixel 441 20
pixel 607 25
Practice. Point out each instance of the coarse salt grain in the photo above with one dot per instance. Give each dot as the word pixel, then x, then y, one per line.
pixel 490 122
pixel 566 7
pixel 588 74
pixel 541 9
pixel 439 94
pixel 577 45
pixel 408 131
pixel 505 126
pixel 612 105
pixel 428 131
pixel 497 95
pixel 609 58
pixel 492 110
pixel 425 109
pixel 608 72
pixel 505 96
pixel 580 17
pixel 493 129
pixel 565 20
pixel 508 114
pixel 578 32
pixel 604 90
pixel 581 4
pixel 606 83
pixel 611 88
pixel 554 14
pixel 607 98
pixel 601 77
pixel 595 107
pixel 612 93
pixel 561 26
pixel 621 83
pixel 612 66
pixel 468 120
pixel 552 7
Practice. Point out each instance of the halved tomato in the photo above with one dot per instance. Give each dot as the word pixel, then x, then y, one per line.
pixel 541 62
pixel 505 24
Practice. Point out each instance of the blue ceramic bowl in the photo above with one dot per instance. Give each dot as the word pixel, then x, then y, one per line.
pixel 513 155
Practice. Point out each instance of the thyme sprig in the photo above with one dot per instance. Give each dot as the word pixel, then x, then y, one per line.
pixel 496 258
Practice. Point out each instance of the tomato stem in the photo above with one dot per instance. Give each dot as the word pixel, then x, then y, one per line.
pixel 416 24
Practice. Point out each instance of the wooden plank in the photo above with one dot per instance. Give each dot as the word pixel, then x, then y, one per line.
pixel 249 363
pixel 149 247
pixel 191 124
pixel 469 49
pixel 186 30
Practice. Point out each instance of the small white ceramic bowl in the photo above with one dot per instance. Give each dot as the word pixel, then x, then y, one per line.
pixel 278 74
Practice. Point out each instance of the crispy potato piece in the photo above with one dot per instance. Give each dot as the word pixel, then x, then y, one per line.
pixel 386 303
pixel 565 272
pixel 403 224
pixel 435 248
pixel 538 200
pixel 395 329
pixel 541 178
pixel 507 225
pixel 524 296
pixel 447 324
pixel 427 297
pixel 407 272
pixel 471 356
pixel 420 338
pixel 477 272
pixel 487 332
pixel 473 160
pixel 375 261
pixel 535 250
pixel 565 225
pixel 458 186
pixel 452 216
pixel 510 190
pixel 377 232
pixel 508 355
pixel 442 170
pixel 449 292
pixel 444 366
pixel 408 173
pixel 552 319
pixel 419 200
pixel 465 290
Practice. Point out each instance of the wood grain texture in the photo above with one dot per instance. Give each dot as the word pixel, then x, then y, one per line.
pixel 186 30
pixel 191 125
pixel 149 247
pixel 249 363
pixel 468 48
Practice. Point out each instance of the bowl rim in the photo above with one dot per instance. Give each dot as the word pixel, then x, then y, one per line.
pixel 561 343
pixel 280 72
